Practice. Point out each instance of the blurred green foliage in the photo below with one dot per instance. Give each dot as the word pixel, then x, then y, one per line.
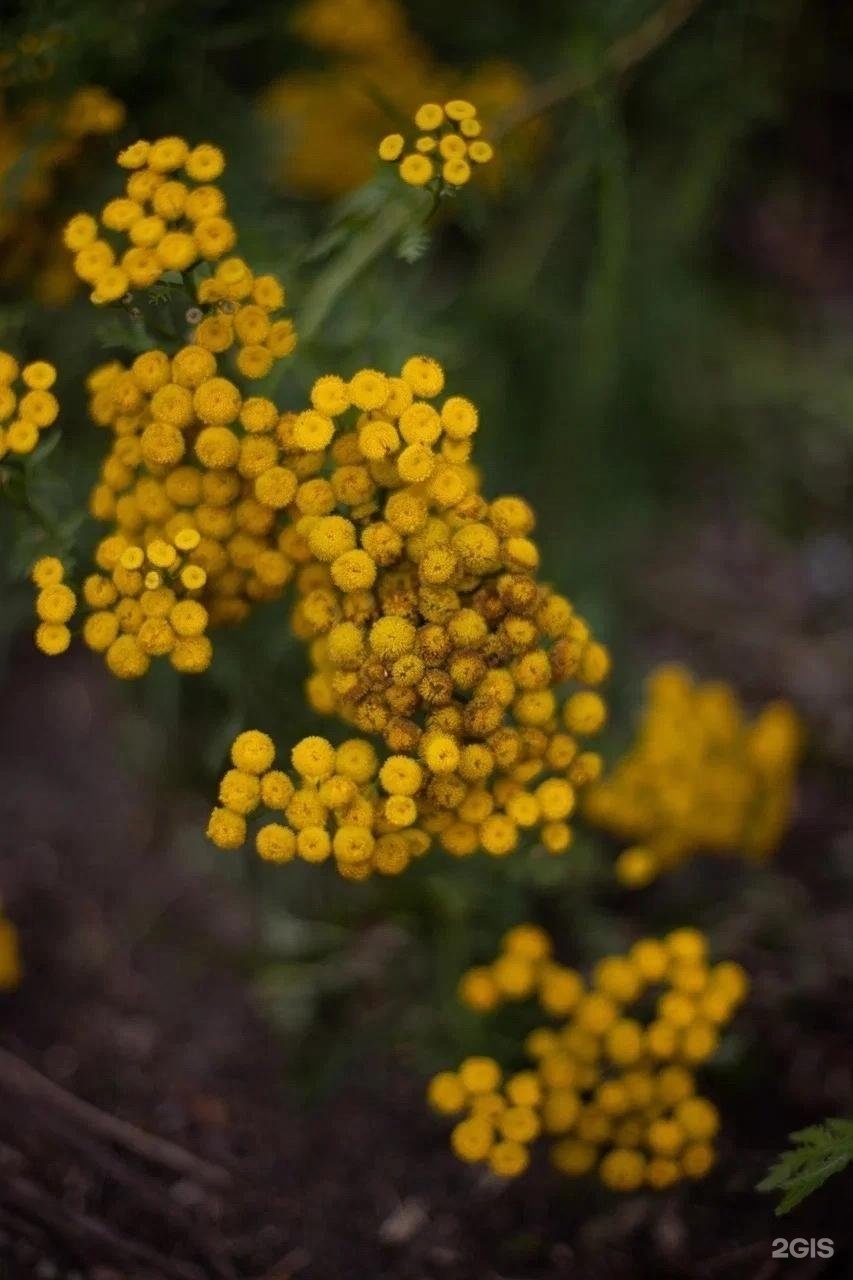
pixel 815 1155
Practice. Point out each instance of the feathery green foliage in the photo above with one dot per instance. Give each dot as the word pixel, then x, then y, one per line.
pixel 818 1152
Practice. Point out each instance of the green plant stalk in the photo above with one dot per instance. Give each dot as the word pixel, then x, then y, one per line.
pixel 341 273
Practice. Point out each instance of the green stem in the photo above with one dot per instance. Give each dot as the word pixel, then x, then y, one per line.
pixel 340 274
pixel 47 523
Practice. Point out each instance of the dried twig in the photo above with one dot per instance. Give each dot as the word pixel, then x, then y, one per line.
pixel 87 1234
pixel 147 1192
pixel 21 1078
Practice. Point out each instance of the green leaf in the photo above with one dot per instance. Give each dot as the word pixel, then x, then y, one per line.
pixel 44 449
pixel 819 1152
pixel 414 244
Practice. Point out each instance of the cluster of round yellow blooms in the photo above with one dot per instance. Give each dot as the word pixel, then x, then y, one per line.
pixel 189 452
pixel 143 603
pixel 162 222
pixel 612 1084
pixel 447 145
pixel 195 467
pixel 426 622
pixel 10 958
pixel 31 407
pixel 330 117
pixel 328 807
pixel 170 219
pixel 242 311
pixel 40 142
pixel 700 777
pixel 56 604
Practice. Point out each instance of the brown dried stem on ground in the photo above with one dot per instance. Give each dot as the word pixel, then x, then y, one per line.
pixel 21 1078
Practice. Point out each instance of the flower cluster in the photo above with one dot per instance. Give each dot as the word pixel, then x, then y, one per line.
pixel 700 777
pixel 144 604
pixel 40 142
pixel 425 620
pixel 329 119
pixel 328 808
pixel 189 452
pixel 10 958
pixel 160 224
pixel 171 219
pixel 613 1083
pixel 193 485
pixel 31 408
pixel 447 145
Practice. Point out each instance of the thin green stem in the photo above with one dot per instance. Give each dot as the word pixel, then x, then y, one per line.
pixel 348 266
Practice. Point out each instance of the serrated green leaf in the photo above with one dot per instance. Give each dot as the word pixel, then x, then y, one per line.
pixel 819 1152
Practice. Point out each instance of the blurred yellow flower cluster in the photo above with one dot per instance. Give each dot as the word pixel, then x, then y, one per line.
pixel 30 58
pixel 613 1084
pixel 10 958
pixel 427 625
pixel 700 777
pixel 31 408
pixel 330 119
pixel 39 143
pixel 448 144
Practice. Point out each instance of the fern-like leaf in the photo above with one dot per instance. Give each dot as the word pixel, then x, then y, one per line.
pixel 413 245
pixel 818 1152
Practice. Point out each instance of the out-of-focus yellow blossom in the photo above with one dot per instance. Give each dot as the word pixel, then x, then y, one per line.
pixel 612 1082
pixel 27 404
pixel 427 626
pixel 330 119
pixel 40 143
pixel 445 151
pixel 10 955
pixel 700 778
pixel 31 59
